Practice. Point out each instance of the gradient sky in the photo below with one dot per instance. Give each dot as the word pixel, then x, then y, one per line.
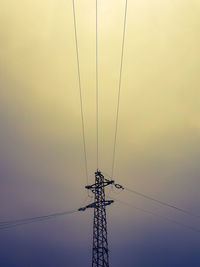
pixel 158 144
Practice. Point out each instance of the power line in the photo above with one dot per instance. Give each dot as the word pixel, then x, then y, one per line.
pixel 156 200
pixel 119 88
pixel 35 218
pixel 162 202
pixel 157 215
pixel 80 91
pixel 20 222
pixel 97 87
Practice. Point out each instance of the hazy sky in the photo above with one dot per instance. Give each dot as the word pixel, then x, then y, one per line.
pixel 158 144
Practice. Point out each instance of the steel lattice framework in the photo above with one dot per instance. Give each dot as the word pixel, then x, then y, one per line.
pixel 100 257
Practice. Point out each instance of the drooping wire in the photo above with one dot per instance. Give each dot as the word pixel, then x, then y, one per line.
pixel 97 88
pixel 158 215
pixel 162 203
pixel 157 200
pixel 80 91
pixel 119 88
pixel 20 222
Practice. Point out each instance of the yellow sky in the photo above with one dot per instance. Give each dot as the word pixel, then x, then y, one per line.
pixel 159 125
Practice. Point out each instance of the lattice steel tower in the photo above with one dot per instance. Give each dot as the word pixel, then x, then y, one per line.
pixel 100 243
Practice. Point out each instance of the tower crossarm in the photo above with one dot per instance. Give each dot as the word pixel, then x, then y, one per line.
pixel 97 185
pixel 96 205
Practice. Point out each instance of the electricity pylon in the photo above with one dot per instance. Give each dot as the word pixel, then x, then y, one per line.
pixel 100 243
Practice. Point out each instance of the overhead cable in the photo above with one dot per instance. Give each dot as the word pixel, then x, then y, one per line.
pixel 157 215
pixel 155 200
pixel 80 91
pixel 119 89
pixel 97 87
pixel 19 222
pixel 162 202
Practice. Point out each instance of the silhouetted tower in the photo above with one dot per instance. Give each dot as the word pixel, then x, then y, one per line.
pixel 100 243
